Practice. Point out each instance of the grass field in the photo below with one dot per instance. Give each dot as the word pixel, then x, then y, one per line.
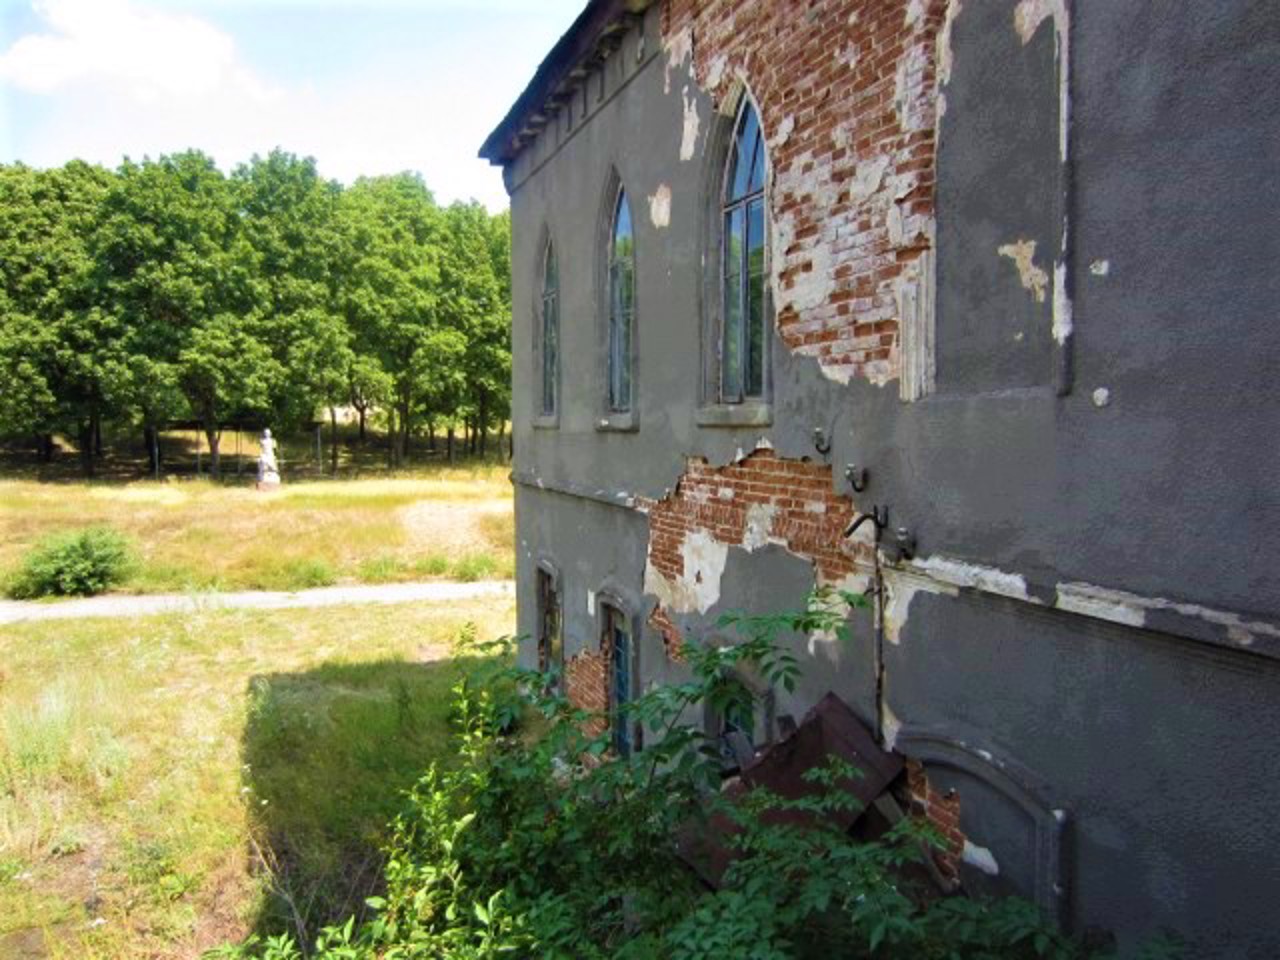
pixel 169 784
pixel 197 535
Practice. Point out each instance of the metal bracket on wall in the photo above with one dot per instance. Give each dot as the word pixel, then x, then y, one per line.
pixel 821 442
pixel 878 515
pixel 857 477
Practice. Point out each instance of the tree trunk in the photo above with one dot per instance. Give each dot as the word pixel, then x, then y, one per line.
pixel 96 418
pixel 431 435
pixel 483 418
pixel 449 443
pixel 148 442
pixel 85 443
pixel 214 436
pixel 405 421
pixel 362 413
pixel 333 440
pixel 391 438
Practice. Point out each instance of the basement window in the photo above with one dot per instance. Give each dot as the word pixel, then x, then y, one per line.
pixel 618 641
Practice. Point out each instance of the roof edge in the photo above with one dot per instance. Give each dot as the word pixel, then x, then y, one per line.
pixel 598 20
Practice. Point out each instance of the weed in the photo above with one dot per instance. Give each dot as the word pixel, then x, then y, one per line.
pixel 476 566
pixel 432 565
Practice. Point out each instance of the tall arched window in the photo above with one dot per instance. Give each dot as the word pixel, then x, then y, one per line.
pixel 550 372
pixel 621 305
pixel 742 330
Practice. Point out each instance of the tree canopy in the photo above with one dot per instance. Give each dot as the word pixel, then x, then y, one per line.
pixel 167 291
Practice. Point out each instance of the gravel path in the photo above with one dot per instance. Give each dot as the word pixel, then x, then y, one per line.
pixel 147 605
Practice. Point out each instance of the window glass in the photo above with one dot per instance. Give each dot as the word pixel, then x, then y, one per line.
pixel 742 322
pixel 550 638
pixel 550 332
pixel 621 306
pixel 618 637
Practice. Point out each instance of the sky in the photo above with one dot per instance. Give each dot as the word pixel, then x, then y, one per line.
pixel 366 88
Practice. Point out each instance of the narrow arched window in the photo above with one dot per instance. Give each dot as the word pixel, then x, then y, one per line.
pixel 550 373
pixel 742 332
pixel 621 305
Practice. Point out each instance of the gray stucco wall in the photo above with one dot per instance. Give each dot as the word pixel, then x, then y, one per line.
pixel 1156 742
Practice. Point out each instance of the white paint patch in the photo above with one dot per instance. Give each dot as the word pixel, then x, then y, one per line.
pixel 715 72
pixel 591 603
pixel 1062 308
pixel 679 52
pixel 1101 397
pixel 915 13
pixel 759 527
pixel 1033 278
pixel 783 133
pixel 981 858
pixel 1131 609
pixel 958 573
pixel 867 179
pixel 689 136
pixel 1029 14
pixel 890 724
pixel 1100 268
pixel 944 49
pixel 900 589
pixel 699 586
pixel 660 206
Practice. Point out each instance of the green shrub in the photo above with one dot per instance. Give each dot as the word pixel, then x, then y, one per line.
pixel 553 847
pixel 79 563
pixel 307 574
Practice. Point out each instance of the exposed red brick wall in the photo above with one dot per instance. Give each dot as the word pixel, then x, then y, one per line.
pixel 847 96
pixel 806 516
pixel 586 680
pixel 942 811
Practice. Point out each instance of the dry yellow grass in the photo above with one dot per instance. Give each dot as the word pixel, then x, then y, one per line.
pixel 139 757
pixel 196 534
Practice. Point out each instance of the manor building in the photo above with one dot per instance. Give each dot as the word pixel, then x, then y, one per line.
pixel 969 304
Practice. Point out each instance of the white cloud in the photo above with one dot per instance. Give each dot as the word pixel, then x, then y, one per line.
pixel 101 79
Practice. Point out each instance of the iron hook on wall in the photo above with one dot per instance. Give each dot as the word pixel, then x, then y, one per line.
pixel 821 442
pixel 857 477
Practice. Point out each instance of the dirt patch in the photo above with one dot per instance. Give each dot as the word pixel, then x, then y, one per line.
pixel 451 528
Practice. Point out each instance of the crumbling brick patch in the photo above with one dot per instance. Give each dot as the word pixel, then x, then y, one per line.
pixel 587 687
pixel 848 100
pixel 759 499
pixel 942 812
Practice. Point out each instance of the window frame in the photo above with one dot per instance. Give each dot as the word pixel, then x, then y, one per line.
pixel 549 654
pixel 611 417
pixel 610 606
pixel 716 408
pixel 543 417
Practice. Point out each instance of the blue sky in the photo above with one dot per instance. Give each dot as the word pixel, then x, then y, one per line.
pixel 372 87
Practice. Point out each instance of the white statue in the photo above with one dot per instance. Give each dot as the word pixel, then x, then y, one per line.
pixel 268 469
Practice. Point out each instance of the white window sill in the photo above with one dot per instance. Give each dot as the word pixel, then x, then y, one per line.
pixel 748 414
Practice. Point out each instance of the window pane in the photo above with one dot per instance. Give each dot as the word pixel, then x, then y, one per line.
pixel 754 319
pixel 550 351
pixel 551 276
pixel 620 656
pixel 731 347
pixel 744 148
pixel 621 308
pixel 622 240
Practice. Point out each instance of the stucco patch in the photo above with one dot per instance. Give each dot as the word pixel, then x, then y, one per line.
pixel 1033 278
pixel 679 52
pixel 958 573
pixel 759 525
pixel 1131 609
pixel 1029 14
pixel 660 206
pixel 981 858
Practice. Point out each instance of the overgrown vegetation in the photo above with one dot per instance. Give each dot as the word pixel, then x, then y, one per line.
pixel 78 563
pixel 171 783
pixel 549 846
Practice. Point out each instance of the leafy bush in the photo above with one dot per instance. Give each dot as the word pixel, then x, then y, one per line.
pixel 551 846
pixel 80 563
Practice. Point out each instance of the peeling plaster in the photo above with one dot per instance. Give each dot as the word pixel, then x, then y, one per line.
pixel 1029 14
pixel 1131 609
pixel 1033 278
pixel 759 529
pixel 698 588
pixel 1101 397
pixel 689 136
pixel 944 48
pixel 866 181
pixel 660 206
pixel 958 573
pixel 889 724
pixel 900 589
pixel 679 52
pixel 981 858
pixel 853 583
pixel 1100 268
pixel 783 133
pixel 715 72
pixel 915 13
